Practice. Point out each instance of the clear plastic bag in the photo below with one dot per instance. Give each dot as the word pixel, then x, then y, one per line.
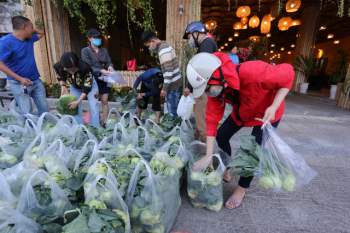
pixel 280 168
pixel 42 199
pixel 185 107
pixel 101 190
pixel 205 188
pixel 47 121
pixel 33 155
pixel 145 203
pixel 175 151
pixel 6 195
pixel 17 176
pixel 10 118
pixel 13 221
pixel 113 118
pixel 56 160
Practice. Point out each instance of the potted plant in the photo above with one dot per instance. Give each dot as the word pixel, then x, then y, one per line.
pixel 339 75
pixel 305 65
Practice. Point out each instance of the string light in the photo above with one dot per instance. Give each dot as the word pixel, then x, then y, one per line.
pixel 336 42
pixel 330 36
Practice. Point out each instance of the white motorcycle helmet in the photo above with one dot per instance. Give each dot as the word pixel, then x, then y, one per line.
pixel 199 70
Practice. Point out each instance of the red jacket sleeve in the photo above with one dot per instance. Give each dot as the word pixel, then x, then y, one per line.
pixel 214 113
pixel 280 76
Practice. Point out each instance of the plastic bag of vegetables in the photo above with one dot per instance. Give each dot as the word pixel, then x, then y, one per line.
pixel 6 195
pixel 167 180
pixel 112 119
pixel 280 168
pixel 33 155
pixel 176 152
pixel 42 199
pixel 205 188
pixel 101 193
pixel 13 221
pixel 123 165
pixel 144 202
pixel 56 160
pixel 10 118
pixel 17 176
pixel 47 121
pixel 100 186
pixel 65 130
pixel 87 220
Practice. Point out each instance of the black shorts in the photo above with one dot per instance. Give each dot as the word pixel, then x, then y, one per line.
pixel 102 87
pixel 156 100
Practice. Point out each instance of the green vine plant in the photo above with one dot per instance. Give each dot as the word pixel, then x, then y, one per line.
pixel 341 4
pixel 105 12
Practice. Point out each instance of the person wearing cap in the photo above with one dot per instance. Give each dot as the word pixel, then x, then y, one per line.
pixel 75 76
pixel 197 37
pixel 151 85
pixel 169 64
pixel 255 89
pixel 101 64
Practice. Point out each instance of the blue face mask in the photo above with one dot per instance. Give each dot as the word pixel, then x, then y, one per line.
pixel 96 42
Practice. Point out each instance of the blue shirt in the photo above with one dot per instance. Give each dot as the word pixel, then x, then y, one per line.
pixel 234 58
pixel 147 79
pixel 18 55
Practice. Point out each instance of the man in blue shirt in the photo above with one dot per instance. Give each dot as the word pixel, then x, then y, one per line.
pixel 18 63
pixel 151 85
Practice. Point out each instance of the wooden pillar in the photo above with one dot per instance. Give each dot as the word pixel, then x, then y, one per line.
pixel 176 24
pixel 307 35
pixel 54 22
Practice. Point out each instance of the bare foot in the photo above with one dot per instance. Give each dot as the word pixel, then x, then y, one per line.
pixel 227 176
pixel 236 198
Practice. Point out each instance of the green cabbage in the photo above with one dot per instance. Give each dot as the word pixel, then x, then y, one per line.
pixel 62 105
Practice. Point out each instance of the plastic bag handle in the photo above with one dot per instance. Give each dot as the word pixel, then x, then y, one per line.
pixel 43 116
pixel 133 181
pixel 221 164
pixel 155 125
pixel 113 110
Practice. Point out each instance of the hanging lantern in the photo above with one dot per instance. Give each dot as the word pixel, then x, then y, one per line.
pixel 254 21
pixel 284 23
pixel 237 26
pixel 265 24
pixel 293 5
pixel 244 20
pixel 296 22
pixel 211 25
pixel 243 11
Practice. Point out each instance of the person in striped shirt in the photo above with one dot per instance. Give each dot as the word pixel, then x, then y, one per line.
pixel 170 68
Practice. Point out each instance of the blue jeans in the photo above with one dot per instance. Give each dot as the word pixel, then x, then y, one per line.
pixel 93 105
pixel 173 98
pixel 22 96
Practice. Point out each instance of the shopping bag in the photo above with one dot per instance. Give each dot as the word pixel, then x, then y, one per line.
pixel 280 168
pixel 185 107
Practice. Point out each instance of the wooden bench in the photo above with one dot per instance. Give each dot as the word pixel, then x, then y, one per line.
pixel 5 95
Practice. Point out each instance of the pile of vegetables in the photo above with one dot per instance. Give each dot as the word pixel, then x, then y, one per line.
pixel 72 178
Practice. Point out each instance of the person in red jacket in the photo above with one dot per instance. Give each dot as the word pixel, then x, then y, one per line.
pixel 255 89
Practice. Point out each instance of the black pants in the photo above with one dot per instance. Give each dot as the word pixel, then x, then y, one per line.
pixel 226 131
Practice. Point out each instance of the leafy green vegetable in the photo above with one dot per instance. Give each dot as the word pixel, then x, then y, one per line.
pixel 63 105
